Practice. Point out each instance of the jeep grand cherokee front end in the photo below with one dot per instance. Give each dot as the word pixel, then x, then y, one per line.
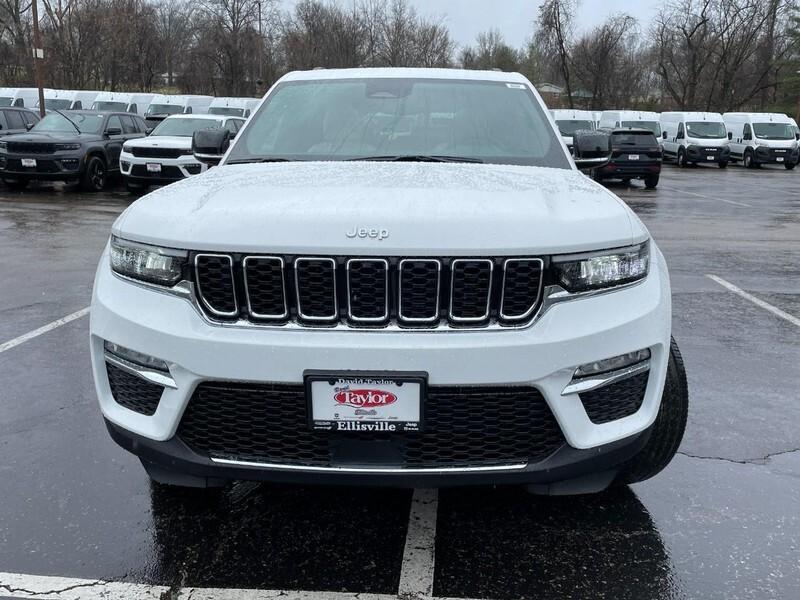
pixel 395 277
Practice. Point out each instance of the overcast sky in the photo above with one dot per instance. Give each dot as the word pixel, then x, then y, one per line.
pixel 467 18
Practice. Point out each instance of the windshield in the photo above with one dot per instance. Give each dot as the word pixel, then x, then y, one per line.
pixel 653 126
pixel 56 122
pixel 706 129
pixel 184 127
pixel 226 111
pixel 164 109
pixel 773 131
pixel 56 104
pixel 362 118
pixel 5 100
pixel 570 127
pixel 111 106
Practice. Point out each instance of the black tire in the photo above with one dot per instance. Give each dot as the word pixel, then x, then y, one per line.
pixel 16 184
pixel 681 159
pixel 95 176
pixel 667 431
pixel 135 188
pixel 651 181
pixel 748 160
pixel 722 164
pixel 790 166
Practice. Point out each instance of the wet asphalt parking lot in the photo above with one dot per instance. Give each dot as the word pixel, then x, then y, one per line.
pixel 722 521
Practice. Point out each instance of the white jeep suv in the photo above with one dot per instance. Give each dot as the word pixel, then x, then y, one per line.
pixel 394 277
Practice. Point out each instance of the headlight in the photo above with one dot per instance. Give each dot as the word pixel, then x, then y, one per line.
pixel 162 266
pixel 582 272
pixel 67 147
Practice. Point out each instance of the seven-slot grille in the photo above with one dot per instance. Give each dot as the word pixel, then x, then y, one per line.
pixel 368 291
pixel 156 152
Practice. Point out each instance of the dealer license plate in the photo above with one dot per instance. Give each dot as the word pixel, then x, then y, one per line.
pixel 153 167
pixel 779 158
pixel 28 162
pixel 709 158
pixel 633 157
pixel 365 403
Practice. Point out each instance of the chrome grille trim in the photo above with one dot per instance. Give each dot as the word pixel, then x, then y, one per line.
pixel 485 315
pixel 300 313
pixel 213 310
pixel 385 316
pixel 418 320
pixel 526 314
pixel 253 313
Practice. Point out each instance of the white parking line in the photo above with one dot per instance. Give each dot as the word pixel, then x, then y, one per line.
pixel 43 329
pixel 734 202
pixel 416 572
pixel 757 301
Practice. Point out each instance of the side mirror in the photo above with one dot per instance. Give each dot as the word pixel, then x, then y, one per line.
pixel 209 145
pixel 730 135
pixel 29 126
pixel 797 136
pixel 592 149
pixel 148 130
pixel 113 131
pixel 664 134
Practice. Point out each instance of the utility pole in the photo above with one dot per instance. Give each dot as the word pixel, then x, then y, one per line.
pixel 38 55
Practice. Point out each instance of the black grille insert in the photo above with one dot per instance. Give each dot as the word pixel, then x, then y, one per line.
pixel 133 392
pixel 470 290
pixel 615 401
pixel 215 283
pixel 420 287
pixel 159 152
pixel 315 280
pixel 464 426
pixel 265 287
pixel 368 290
pixel 522 286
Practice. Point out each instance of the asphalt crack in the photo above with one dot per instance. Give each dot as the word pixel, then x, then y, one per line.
pixel 744 461
pixel 69 588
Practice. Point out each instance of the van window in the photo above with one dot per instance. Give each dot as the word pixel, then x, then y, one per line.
pixel 773 131
pixel 77 106
pixel 132 109
pixel 748 133
pixel 188 110
pixel 19 102
pixel 706 129
pixel 681 132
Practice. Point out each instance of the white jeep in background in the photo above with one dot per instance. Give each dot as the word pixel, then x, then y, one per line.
pixel 393 277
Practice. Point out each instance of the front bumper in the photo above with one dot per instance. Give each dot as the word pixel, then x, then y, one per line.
pixel 134 168
pixel 543 355
pixel 765 155
pixel 628 168
pixel 62 166
pixel 707 154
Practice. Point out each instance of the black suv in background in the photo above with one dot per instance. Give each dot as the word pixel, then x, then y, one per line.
pixel 636 154
pixel 82 146
pixel 16 120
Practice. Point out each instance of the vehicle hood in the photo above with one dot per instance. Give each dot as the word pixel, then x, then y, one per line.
pixel 776 143
pixel 161 141
pixel 710 142
pixel 424 208
pixel 53 137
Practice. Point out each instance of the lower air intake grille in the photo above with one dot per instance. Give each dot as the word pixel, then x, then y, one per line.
pixel 464 426
pixel 133 392
pixel 615 401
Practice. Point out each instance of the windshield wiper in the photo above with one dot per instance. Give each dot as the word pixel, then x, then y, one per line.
pixel 420 158
pixel 68 119
pixel 264 159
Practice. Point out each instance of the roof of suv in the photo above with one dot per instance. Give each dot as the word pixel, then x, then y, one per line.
pixel 404 72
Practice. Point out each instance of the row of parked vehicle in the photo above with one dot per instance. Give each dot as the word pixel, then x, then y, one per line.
pixel 87 137
pixel 641 140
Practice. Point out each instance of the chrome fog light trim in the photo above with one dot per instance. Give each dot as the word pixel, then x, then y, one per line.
pixel 612 364
pixel 593 382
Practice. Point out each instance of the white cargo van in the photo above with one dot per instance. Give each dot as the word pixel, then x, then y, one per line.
pixel 68 99
pixel 635 119
pixel 20 97
pixel 163 106
pixel 695 137
pixel 232 107
pixel 122 101
pixel 762 138
pixel 569 121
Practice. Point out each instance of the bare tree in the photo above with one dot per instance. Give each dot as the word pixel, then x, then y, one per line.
pixel 554 36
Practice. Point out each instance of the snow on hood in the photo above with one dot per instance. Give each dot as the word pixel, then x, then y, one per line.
pixel 426 208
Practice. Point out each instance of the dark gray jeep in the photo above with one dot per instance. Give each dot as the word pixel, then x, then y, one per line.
pixel 82 146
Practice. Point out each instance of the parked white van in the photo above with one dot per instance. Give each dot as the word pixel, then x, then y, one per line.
pixel 122 101
pixel 695 137
pixel 762 138
pixel 163 106
pixel 636 119
pixel 569 121
pixel 68 99
pixel 20 97
pixel 232 107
